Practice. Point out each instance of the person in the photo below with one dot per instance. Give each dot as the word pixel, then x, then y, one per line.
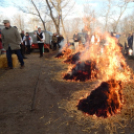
pixel 0 43
pixel 28 42
pixel 95 39
pixel 88 37
pixel 11 42
pixel 83 36
pixel 40 40
pixel 76 39
pixel 112 34
pixel 54 40
pixel 117 36
pixel 130 40
pixel 22 45
pixel 122 41
pixel 60 40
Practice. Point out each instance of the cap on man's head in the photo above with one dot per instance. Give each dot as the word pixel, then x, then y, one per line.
pixel 6 21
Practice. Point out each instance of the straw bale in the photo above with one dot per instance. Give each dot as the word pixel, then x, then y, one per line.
pixel 3 61
pixel 15 60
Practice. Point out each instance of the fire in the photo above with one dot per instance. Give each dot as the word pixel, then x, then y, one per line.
pixel 113 65
pixel 101 60
pixel 75 56
pixel 82 71
pixel 64 52
pixel 107 99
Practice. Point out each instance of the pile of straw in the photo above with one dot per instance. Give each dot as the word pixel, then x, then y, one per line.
pixel 118 123
pixel 3 61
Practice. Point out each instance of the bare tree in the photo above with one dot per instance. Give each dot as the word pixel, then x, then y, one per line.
pixel 127 24
pixel 19 21
pixel 89 16
pixel 112 7
pixel 56 21
pixel 36 8
pixel 59 5
pixel 122 6
pixel 109 5
pixel 72 26
pixel 45 11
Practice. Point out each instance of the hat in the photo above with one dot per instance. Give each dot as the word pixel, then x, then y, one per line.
pixel 6 21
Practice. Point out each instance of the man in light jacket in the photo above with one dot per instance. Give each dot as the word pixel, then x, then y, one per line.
pixel 11 42
pixel 40 40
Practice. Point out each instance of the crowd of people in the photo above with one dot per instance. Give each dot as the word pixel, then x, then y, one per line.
pixel 56 41
pixel 19 43
pixel 125 41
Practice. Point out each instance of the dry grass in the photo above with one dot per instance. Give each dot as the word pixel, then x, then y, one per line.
pixel 3 61
pixel 119 123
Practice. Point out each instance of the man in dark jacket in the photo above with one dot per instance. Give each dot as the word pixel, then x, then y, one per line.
pixel 130 40
pixel 0 43
pixel 22 45
pixel 60 39
pixel 54 40
pixel 11 42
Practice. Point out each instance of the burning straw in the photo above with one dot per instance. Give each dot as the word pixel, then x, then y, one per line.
pixel 122 122
pixel 106 100
pixel 82 72
pixel 73 58
pixel 64 52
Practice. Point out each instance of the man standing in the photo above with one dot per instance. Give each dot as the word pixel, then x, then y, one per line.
pixel 76 39
pixel 122 41
pixel 55 41
pixel 130 40
pixel 11 42
pixel 40 40
pixel 28 42
pixel 22 45
pixel 0 43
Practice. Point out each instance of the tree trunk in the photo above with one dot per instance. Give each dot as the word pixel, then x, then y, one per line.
pixel 44 25
pixel 52 17
pixel 64 31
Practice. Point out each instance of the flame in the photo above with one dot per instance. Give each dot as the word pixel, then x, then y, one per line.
pixel 64 52
pixel 112 68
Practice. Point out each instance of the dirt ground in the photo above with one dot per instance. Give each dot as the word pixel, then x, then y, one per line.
pixel 36 100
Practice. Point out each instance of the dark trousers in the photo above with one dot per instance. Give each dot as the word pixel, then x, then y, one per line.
pixel 28 49
pixel 41 48
pixel 22 50
pixel 54 46
pixel 9 56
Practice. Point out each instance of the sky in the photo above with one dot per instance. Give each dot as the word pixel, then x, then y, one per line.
pixel 100 5
pixel 8 9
